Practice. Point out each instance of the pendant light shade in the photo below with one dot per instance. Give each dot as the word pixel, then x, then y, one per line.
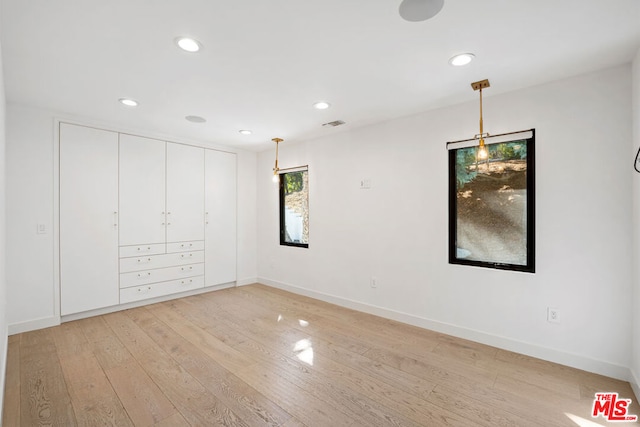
pixel 420 10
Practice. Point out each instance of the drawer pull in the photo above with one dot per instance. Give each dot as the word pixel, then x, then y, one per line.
pixel 141 275
pixel 140 259
pixel 182 256
pixel 190 281
pixel 190 268
pixel 148 248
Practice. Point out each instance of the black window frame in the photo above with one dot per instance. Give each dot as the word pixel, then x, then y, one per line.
pixel 530 265
pixel 281 202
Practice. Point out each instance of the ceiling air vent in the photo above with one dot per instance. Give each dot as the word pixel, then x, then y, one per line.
pixel 334 123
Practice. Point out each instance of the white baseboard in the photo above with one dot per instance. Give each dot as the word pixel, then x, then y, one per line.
pixel 32 325
pixel 635 384
pixel 552 355
pixel 248 281
pixel 134 304
pixel 3 373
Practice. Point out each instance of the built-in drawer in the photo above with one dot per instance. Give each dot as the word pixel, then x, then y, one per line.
pixel 196 245
pixel 160 261
pixel 144 277
pixel 137 250
pixel 137 293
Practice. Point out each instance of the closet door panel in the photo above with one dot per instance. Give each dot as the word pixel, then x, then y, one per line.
pixel 88 218
pixel 142 190
pixel 220 217
pixel 185 193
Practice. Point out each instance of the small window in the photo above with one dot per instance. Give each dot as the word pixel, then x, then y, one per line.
pixel 294 207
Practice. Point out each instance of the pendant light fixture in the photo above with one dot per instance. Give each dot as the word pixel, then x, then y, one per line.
pixel 482 149
pixel 276 169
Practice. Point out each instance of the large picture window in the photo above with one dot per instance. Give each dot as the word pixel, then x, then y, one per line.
pixel 492 203
pixel 294 207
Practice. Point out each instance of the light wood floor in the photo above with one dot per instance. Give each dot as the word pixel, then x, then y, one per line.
pixel 255 355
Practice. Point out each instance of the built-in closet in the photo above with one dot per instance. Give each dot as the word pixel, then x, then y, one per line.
pixel 141 218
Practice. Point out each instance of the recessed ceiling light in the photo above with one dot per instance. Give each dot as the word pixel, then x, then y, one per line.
pixel 245 132
pixel 128 102
pixel 188 44
pixel 461 59
pixel 321 105
pixel 195 119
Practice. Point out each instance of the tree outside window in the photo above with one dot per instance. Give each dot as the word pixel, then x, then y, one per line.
pixel 294 208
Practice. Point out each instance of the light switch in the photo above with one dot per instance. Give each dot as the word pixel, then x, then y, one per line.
pixel 365 184
pixel 41 229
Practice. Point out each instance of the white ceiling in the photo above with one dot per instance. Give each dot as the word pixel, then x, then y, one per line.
pixel 265 62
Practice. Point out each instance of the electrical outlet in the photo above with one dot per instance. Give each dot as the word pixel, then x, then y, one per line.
pixel 553 315
pixel 374 282
pixel 41 229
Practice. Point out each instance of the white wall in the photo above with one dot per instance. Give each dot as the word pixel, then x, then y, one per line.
pixel 30 269
pixel 397 230
pixel 635 337
pixel 3 283
pixel 31 262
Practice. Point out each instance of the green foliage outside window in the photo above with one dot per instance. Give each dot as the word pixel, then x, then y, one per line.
pixel 293 182
pixel 466 157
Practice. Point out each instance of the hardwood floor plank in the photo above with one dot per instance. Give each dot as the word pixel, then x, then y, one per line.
pixel 295 400
pixel 226 355
pixel 105 345
pixel 176 420
pixel 256 355
pixel 143 400
pixel 94 400
pixel 44 397
pixel 11 408
pixel 250 405
pixel 193 400
pixel 475 410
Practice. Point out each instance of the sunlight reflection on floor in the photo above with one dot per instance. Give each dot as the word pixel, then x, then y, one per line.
pixel 581 421
pixel 304 351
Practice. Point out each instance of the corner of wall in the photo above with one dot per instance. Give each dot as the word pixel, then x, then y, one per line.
pixel 635 292
pixel 3 282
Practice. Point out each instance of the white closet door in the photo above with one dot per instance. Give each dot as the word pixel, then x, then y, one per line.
pixel 88 218
pixel 220 217
pixel 185 193
pixel 142 190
